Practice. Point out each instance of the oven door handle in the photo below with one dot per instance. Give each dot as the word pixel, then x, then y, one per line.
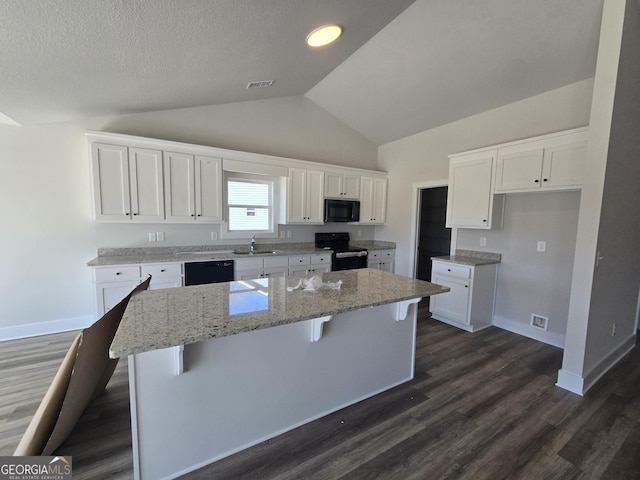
pixel 350 254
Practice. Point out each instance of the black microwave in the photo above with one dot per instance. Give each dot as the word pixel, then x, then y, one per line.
pixel 341 210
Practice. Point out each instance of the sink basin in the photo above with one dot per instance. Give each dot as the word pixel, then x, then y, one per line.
pixel 210 252
pixel 263 252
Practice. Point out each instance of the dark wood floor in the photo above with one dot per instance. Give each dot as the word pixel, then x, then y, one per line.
pixel 482 406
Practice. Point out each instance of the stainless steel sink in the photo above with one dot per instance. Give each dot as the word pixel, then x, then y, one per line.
pixel 246 252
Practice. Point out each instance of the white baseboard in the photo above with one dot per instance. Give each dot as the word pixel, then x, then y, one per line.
pixel 45 328
pixel 570 381
pixel 608 362
pixel 551 338
pixel 580 385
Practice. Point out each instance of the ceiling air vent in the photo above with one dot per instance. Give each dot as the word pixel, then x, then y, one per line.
pixel 261 84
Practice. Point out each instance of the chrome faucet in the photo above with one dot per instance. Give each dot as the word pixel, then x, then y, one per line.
pixel 252 243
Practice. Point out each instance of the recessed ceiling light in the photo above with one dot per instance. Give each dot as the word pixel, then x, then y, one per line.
pixel 324 35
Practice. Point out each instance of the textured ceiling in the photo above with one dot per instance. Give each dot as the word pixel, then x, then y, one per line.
pixel 400 67
pixel 444 60
pixel 64 59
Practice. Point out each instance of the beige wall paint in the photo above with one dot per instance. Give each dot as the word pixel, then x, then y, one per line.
pixel 423 157
pixel 47 232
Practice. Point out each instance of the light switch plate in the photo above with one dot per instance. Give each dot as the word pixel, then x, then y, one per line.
pixel 542 246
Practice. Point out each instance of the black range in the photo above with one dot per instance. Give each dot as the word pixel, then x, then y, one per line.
pixel 344 257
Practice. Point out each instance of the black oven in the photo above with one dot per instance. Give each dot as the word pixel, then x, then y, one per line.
pixel 344 257
pixel 341 211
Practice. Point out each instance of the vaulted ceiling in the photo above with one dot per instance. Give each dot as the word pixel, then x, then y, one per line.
pixel 399 68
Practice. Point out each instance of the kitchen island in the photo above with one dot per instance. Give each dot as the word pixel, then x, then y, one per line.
pixel 218 368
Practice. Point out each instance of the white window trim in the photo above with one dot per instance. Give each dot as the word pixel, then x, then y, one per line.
pixel 275 205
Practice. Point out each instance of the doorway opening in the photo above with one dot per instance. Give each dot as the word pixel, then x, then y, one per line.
pixel 433 237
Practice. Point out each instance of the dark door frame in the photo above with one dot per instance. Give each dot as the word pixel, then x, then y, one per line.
pixel 415 221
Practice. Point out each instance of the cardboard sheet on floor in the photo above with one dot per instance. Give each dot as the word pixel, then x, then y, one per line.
pixel 82 376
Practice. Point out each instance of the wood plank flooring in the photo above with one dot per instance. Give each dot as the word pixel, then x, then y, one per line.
pixel 482 406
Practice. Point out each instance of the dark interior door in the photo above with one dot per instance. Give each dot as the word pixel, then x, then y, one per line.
pixel 434 239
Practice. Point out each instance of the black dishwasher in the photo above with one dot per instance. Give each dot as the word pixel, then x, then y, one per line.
pixel 214 271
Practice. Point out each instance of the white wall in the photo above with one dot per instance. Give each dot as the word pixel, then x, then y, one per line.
pixel 422 157
pixel 609 220
pixel 47 232
pixel 530 281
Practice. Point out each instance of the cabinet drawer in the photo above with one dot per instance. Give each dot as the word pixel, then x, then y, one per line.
pixel 299 260
pixel 325 258
pixel 168 270
pixel 271 262
pixel 249 264
pixel 114 274
pixel 388 253
pixel 451 269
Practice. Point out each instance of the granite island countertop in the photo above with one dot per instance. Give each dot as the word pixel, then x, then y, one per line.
pixel 157 319
pixel 141 255
pixel 472 258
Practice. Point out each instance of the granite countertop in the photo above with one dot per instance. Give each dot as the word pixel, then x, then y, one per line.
pixel 471 257
pixel 157 319
pixel 133 256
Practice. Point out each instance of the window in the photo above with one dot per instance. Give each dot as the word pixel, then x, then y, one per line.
pixel 249 204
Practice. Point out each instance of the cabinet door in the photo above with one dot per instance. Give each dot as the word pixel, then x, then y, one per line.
pixel 518 171
pixel 373 200
pixel 296 195
pixel 110 167
pixel 179 181
pixel 298 270
pixel 145 178
pixel 366 202
pixel 276 272
pixel 332 184
pixel 315 197
pixel 249 274
pixel 379 201
pixel 469 199
pixel 208 194
pixel 563 165
pixel 455 303
pixel 109 294
pixel 316 269
pixel 351 186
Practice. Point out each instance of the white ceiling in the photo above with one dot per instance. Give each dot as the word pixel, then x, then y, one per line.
pixel 394 72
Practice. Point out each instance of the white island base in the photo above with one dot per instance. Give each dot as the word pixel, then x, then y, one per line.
pixel 193 406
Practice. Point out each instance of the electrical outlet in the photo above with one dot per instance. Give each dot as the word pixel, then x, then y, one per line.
pixel 542 246
pixel 152 236
pixel 613 330
pixel 483 241
pixel 283 234
pixel 214 235
pixel 289 234
pixel 359 233
pixel 160 236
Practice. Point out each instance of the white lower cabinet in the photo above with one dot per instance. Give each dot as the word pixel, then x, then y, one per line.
pixel 252 268
pixel 382 260
pixel 469 303
pixel 309 264
pixel 116 282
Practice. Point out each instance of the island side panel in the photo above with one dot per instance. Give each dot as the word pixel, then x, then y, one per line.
pixel 239 390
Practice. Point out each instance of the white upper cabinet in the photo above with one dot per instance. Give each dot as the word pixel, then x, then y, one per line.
pixel 193 188
pixel 549 163
pixel 127 183
pixel 338 184
pixel 470 199
pixel 305 196
pixel 373 200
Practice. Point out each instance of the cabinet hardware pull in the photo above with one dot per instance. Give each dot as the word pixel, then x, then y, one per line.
pixel 127 213
pixel 484 220
pixel 545 179
pixel 118 273
pixel 199 214
pixel 536 180
pixel 135 214
pixel 163 270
